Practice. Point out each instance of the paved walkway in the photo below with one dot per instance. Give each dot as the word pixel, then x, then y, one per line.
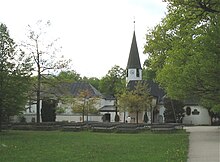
pixel 204 144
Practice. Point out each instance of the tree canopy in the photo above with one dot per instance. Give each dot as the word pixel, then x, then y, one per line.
pixel 15 72
pixel 184 51
pixel 114 81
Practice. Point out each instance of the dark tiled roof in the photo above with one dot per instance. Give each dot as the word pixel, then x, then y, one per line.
pixel 108 108
pixel 154 88
pixel 134 60
pixel 77 87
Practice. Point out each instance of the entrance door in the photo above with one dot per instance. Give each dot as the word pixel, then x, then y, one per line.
pixel 107 117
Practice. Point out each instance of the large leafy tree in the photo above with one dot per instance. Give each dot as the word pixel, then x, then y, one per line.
pixel 15 71
pixel 113 82
pixel 45 55
pixel 184 51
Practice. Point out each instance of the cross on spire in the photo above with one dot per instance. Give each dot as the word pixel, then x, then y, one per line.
pixel 134 23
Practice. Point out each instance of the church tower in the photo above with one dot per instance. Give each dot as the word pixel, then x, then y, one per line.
pixel 134 70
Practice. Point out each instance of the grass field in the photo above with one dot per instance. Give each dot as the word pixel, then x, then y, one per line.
pixel 56 146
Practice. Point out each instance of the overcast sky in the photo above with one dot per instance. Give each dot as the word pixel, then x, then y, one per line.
pixel 95 34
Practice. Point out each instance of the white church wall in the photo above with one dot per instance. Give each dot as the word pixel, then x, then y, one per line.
pixel 78 118
pixel 105 102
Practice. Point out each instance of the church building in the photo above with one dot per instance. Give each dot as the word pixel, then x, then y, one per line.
pixel 156 115
pixel 134 75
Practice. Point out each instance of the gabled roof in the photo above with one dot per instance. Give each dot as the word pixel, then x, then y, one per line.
pixel 134 60
pixel 77 87
pixel 154 88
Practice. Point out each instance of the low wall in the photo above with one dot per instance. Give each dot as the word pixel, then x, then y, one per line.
pixel 66 117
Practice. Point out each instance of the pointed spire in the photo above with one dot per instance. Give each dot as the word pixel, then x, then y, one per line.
pixel 134 60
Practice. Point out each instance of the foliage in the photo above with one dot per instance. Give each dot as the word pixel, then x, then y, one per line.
pixel 135 100
pixel 114 82
pixel 87 146
pixel 147 72
pixel 60 110
pixel 85 104
pixel 15 71
pixel 174 111
pixel 184 51
pixel 68 76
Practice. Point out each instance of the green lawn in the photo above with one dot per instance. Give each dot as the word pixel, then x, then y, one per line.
pixel 56 146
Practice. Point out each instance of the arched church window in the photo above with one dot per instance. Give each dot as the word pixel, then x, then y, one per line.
pixel 188 111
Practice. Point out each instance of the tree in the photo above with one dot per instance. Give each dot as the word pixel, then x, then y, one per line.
pixel 135 100
pixel 147 72
pixel 202 6
pixel 184 51
pixel 113 84
pixel 68 76
pixel 174 111
pixel 85 104
pixel 15 71
pixel 44 57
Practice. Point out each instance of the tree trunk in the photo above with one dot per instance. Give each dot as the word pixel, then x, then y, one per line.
pixel 117 118
pixel 38 96
pixel 174 113
pixel 137 116
pixel 38 83
pixel 83 113
pixel 0 117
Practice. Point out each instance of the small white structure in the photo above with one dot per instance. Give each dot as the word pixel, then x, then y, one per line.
pixel 196 115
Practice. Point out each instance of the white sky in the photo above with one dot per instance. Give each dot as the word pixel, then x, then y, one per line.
pixel 95 34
